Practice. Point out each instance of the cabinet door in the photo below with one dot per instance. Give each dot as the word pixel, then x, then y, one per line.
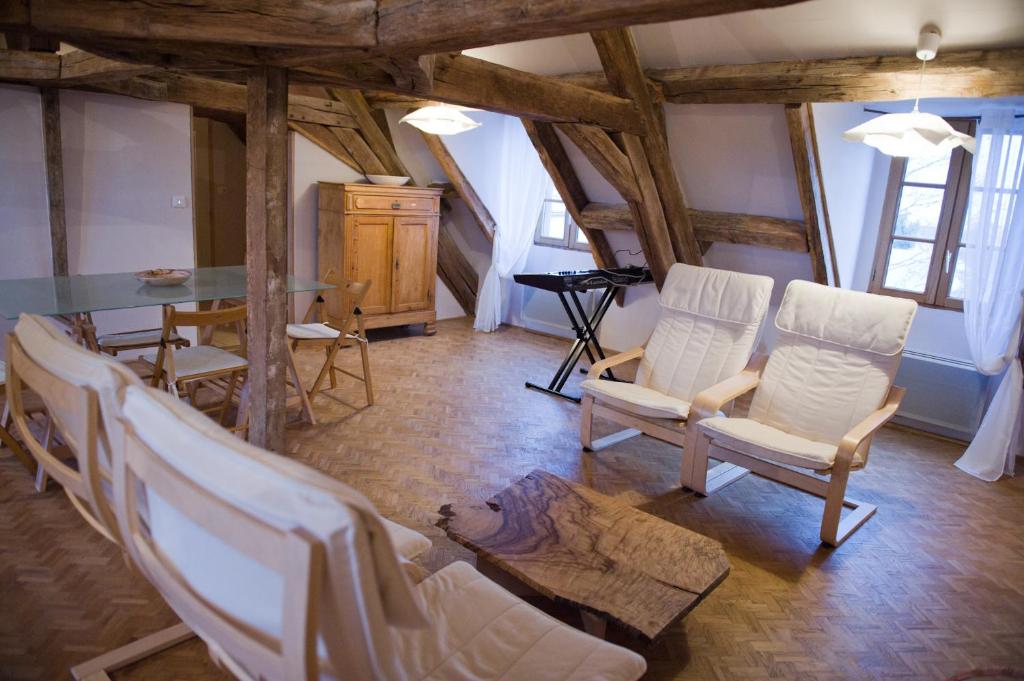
pixel 368 257
pixel 415 260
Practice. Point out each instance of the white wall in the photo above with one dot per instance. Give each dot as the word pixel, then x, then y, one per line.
pixel 123 161
pixel 24 217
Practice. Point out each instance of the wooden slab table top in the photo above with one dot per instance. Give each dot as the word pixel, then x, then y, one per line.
pixel 577 546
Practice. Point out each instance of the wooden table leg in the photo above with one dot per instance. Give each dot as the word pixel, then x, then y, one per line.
pixel 595 625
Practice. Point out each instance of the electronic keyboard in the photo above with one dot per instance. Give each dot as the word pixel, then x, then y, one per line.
pixel 584 280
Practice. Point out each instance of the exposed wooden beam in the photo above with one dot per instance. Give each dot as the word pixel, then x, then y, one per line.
pixel 380 144
pixel 648 215
pixel 607 216
pixel 79 66
pixel 30 67
pixel 352 29
pixel 602 152
pixel 972 73
pixel 800 121
pixel 621 63
pixel 753 230
pixel 563 175
pixel 467 81
pixel 455 271
pixel 266 252
pixel 356 145
pixel 462 185
pixel 415 74
pixel 52 150
pixel 323 137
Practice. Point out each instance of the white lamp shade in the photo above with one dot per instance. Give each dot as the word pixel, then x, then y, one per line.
pixel 910 134
pixel 440 120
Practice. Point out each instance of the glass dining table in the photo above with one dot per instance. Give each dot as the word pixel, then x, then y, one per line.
pixel 73 299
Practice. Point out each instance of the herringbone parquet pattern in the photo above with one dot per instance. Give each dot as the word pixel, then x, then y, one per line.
pixel 932 586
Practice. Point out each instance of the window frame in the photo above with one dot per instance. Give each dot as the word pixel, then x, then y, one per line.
pixel 569 241
pixel 948 233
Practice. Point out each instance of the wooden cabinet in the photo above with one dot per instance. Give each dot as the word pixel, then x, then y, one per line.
pixel 387 235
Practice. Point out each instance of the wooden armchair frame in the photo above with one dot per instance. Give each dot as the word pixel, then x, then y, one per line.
pixel 699 448
pixel 84 486
pixel 164 371
pixel 295 554
pixel 668 430
pixel 353 293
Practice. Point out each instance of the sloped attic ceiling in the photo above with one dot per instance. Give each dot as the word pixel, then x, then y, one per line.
pixel 812 30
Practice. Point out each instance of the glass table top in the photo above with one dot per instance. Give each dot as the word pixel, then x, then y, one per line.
pixel 94 292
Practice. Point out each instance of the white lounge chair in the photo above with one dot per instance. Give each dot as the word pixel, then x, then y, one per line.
pixel 826 389
pixel 296 578
pixel 706 332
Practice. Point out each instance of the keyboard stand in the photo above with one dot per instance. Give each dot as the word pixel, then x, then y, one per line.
pixel 586 336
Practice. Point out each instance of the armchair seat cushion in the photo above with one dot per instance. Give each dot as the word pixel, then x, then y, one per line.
pixel 408 543
pixel 481 631
pixel 311 332
pixel 756 439
pixel 200 359
pixel 638 400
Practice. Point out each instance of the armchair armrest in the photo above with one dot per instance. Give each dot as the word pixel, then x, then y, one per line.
pixel 710 401
pixel 600 367
pixel 871 423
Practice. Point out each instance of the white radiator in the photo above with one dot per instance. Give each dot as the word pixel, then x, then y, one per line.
pixel 944 395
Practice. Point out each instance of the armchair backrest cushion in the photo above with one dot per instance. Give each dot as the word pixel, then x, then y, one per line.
pixel 707 329
pixel 834 361
pixel 365 589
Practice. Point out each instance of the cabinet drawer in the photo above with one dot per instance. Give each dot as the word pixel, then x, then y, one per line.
pixel 369 202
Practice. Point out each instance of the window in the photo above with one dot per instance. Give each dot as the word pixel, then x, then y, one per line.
pixel 556 227
pixel 919 242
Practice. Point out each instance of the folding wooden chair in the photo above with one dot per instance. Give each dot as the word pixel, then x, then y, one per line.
pixel 291 576
pixel 331 333
pixel 825 391
pixel 184 370
pixel 706 332
pixel 7 438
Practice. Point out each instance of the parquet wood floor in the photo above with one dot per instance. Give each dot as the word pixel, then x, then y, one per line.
pixel 931 587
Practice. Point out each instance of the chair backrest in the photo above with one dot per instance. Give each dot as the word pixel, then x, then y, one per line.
pixel 276 566
pixel 81 391
pixel 338 306
pixel 834 360
pixel 707 329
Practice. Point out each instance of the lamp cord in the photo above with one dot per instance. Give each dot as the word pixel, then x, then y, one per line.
pixel 920 84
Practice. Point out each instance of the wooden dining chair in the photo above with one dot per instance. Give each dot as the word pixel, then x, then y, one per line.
pixel 126 341
pixel 292 576
pixel 321 329
pixel 709 323
pixel 185 370
pixel 825 391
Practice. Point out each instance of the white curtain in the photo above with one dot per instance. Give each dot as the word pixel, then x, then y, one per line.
pixel 994 289
pixel 523 183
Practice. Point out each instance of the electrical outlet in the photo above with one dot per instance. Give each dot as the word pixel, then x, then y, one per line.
pixel 179 202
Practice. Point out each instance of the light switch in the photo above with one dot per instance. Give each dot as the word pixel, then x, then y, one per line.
pixel 179 202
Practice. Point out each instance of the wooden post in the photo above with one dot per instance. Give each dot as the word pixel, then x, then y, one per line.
pixel 55 180
pixel 800 122
pixel 266 185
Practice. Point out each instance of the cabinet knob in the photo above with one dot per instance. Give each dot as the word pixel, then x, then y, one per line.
pixel 396 205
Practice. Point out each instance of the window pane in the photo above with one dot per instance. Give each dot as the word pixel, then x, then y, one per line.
pixel 581 238
pixel 552 224
pixel 956 283
pixel 908 266
pixel 932 170
pixel 918 212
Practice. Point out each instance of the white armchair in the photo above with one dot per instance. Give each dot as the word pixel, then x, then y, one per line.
pixel 706 332
pixel 825 390
pixel 284 580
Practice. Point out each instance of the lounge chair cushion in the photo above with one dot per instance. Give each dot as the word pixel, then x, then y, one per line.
pixel 482 632
pixel 833 362
pixel 200 359
pixel 707 329
pixel 772 444
pixel 636 399
pixel 311 332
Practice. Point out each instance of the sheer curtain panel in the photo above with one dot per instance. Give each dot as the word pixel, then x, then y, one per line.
pixel 994 289
pixel 523 185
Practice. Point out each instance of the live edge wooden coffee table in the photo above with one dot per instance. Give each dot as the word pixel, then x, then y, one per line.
pixel 615 563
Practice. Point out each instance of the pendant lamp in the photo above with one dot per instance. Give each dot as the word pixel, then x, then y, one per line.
pixel 915 134
pixel 440 120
